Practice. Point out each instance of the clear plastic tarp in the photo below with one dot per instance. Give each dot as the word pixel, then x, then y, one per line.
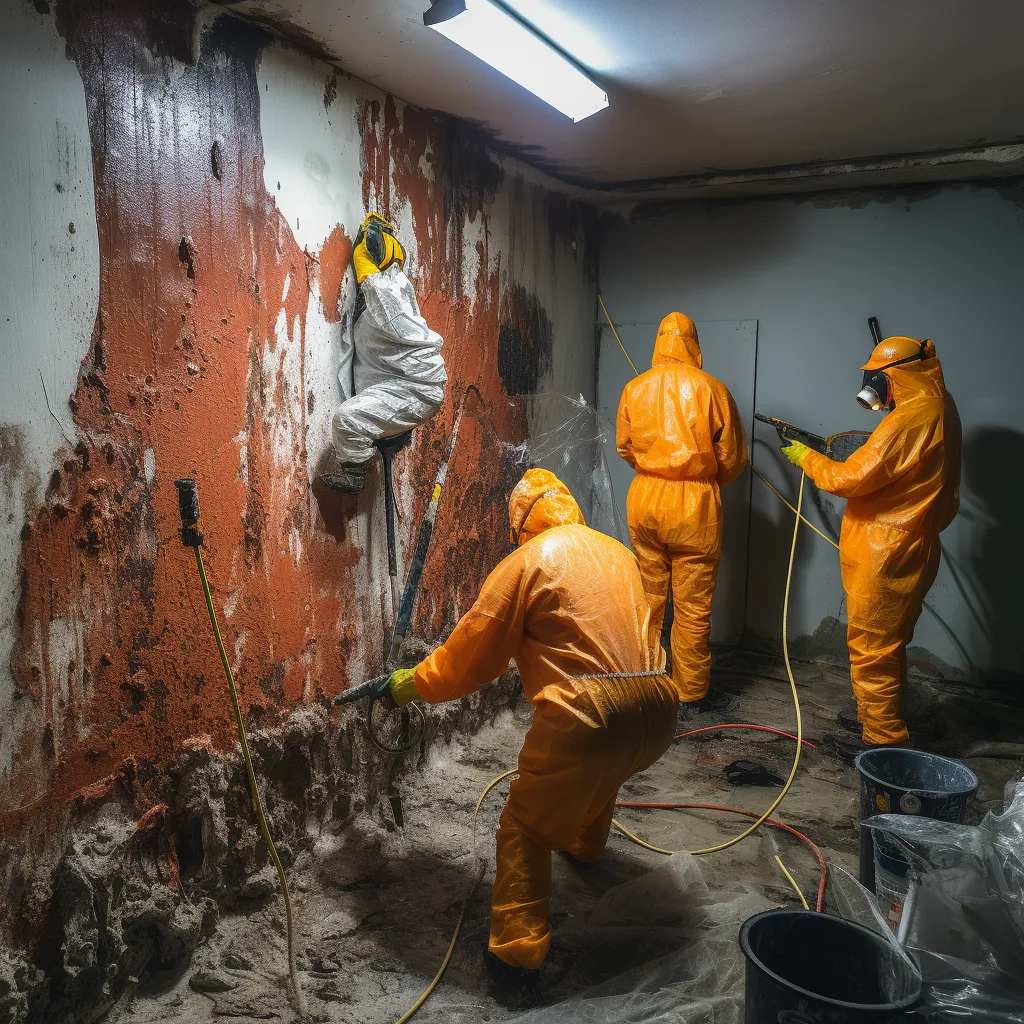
pixel 676 945
pixel 964 915
pixel 567 437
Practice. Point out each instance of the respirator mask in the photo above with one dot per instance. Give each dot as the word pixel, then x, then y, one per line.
pixel 875 392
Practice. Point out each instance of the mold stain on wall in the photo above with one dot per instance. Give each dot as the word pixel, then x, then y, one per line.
pixel 197 368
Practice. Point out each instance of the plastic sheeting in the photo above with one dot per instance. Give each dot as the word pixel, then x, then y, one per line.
pixel 965 911
pixel 676 944
pixel 567 437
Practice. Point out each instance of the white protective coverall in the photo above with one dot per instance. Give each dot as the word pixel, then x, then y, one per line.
pixel 398 371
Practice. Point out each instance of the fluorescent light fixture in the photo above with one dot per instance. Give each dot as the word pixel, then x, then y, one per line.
pixel 495 35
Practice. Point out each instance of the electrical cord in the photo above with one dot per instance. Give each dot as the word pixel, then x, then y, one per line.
pixel 254 793
pixel 730 810
pixel 736 725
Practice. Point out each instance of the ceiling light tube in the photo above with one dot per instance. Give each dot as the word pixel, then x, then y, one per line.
pixel 494 34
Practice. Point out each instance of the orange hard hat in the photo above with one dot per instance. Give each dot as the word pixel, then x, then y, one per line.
pixel 897 350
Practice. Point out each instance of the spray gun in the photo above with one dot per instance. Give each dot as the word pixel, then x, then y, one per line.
pixel 382 730
pixel 410 719
pixel 787 433
pixel 838 447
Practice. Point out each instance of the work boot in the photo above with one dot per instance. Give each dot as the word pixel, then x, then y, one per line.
pixel 847 718
pixel 714 705
pixel 515 988
pixel 844 747
pixel 348 477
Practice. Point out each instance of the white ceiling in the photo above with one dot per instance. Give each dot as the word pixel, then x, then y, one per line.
pixel 699 86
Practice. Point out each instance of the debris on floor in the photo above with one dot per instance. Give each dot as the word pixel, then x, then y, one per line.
pixel 376 905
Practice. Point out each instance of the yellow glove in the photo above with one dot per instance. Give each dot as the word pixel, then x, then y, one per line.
pixel 376 247
pixel 796 452
pixel 402 686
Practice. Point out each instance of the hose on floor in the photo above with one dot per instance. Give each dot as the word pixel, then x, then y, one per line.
pixel 760 819
pixel 408 1015
pixel 815 849
pixel 796 702
pixel 254 793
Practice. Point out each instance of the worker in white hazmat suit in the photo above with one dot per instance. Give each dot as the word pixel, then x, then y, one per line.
pixel 398 371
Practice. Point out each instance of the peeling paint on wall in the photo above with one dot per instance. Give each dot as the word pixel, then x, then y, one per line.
pixel 49 286
pixel 185 295
pixel 226 195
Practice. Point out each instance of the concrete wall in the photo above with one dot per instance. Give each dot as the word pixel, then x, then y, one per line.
pixel 178 215
pixel 946 265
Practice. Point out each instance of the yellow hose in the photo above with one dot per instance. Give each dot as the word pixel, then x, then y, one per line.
pixel 792 881
pixel 408 1015
pixel 799 517
pixel 796 705
pixel 254 793
pixel 616 333
pixel 803 518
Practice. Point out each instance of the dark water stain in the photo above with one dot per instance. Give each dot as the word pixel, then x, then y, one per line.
pixel 525 338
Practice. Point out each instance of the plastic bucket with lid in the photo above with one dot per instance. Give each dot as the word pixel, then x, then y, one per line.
pixel 897 780
pixel 805 967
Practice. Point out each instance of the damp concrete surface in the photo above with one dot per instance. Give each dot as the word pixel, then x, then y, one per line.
pixel 376 905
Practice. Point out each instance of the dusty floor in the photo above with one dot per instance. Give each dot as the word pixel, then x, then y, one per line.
pixel 376 905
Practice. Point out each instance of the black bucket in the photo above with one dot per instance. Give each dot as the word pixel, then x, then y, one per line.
pixel 896 780
pixel 809 968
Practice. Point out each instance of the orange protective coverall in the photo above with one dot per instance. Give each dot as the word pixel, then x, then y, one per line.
pixel 903 489
pixel 679 428
pixel 567 603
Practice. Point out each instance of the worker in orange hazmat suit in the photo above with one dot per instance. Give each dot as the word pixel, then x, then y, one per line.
pixel 568 605
pixel 902 489
pixel 679 428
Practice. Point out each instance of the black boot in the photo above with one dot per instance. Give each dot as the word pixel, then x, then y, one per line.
pixel 348 477
pixel 515 988
pixel 714 705
pixel 847 718
pixel 844 747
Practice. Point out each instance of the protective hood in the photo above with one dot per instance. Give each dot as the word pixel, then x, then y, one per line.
pixel 538 502
pixel 898 369
pixel 921 378
pixel 917 380
pixel 677 342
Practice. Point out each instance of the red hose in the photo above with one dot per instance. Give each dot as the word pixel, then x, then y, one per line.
pixel 756 728
pixel 750 814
